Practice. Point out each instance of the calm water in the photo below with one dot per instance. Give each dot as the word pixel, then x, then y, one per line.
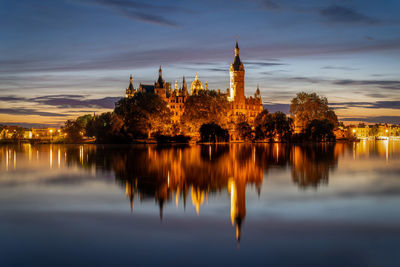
pixel 270 204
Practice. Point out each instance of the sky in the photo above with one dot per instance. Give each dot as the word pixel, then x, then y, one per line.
pixel 63 58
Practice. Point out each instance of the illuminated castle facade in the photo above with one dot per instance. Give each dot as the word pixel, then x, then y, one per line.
pixel 176 96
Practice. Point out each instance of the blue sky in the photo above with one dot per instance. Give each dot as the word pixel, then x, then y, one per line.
pixel 60 59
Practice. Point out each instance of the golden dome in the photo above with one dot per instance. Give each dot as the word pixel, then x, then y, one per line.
pixel 196 85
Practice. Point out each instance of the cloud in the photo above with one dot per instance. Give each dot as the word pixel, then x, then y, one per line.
pixel 385 84
pixel 376 95
pixel 116 60
pixel 262 64
pixel 345 15
pixel 76 102
pixel 270 5
pixel 306 79
pixel 66 101
pixel 338 68
pixel 142 12
pixel 377 104
pixel 11 98
pixel 377 119
pixel 28 111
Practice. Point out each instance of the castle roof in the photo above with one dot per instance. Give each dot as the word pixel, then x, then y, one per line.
pixel 196 84
pixel 147 88
pixel 236 64
pixel 160 80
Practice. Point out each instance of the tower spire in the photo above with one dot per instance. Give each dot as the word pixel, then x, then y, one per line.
pixel 184 86
pixel 237 49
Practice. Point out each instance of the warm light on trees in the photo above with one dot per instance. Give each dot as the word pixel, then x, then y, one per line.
pixel 206 106
pixel 144 115
pixel 76 129
pixel 277 126
pixel 306 107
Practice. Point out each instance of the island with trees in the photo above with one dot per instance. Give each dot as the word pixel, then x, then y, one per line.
pixel 145 117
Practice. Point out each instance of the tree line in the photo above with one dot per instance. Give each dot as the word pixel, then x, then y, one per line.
pixel 147 116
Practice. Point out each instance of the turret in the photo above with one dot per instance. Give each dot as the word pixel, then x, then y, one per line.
pixel 237 49
pixel 236 72
pixel 160 80
pixel 196 85
pixel 176 88
pixel 184 86
pixel 130 90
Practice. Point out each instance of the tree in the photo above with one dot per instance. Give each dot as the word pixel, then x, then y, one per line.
pixel 306 107
pixel 264 126
pixel 76 129
pixel 320 130
pixel 205 107
pixel 282 126
pixel 211 132
pixel 243 128
pixel 144 114
pixel 107 128
pixel 276 125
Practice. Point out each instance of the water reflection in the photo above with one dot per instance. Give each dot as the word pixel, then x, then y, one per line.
pixel 174 174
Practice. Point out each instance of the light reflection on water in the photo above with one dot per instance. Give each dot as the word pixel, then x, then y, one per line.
pixel 332 198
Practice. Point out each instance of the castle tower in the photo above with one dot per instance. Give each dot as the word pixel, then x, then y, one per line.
pixel 184 86
pixel 129 92
pixel 160 86
pixel 236 72
pixel 176 87
pixel 160 80
pixel 196 85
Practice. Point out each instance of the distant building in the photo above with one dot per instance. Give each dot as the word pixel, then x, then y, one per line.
pixel 176 97
pixel 381 131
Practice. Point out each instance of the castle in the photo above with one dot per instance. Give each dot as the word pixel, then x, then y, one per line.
pixel 175 97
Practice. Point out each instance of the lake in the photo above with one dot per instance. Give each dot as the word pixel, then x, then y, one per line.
pixel 201 205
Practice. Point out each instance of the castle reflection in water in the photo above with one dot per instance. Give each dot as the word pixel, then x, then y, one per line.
pixel 176 173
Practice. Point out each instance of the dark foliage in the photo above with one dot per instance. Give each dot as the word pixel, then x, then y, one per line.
pixel 320 130
pixel 76 129
pixel 212 132
pixel 107 128
pixel 277 126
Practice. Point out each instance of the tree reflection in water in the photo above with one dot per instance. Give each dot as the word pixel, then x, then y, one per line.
pixel 176 172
